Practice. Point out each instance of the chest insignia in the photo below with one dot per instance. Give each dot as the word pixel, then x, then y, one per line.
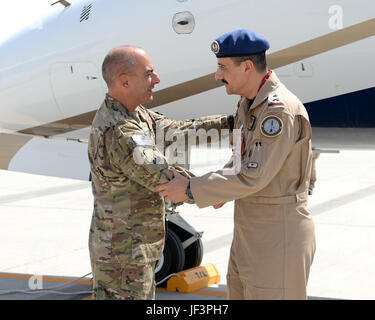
pixel 271 126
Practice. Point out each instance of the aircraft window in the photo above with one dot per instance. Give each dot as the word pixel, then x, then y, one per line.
pixel 183 22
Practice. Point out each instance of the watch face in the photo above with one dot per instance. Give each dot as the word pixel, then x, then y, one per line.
pixel 271 126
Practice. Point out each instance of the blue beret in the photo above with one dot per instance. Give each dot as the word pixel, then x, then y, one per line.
pixel 237 43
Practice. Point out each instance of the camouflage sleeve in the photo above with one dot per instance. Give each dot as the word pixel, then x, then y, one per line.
pixel 136 156
pixel 133 153
pixel 189 128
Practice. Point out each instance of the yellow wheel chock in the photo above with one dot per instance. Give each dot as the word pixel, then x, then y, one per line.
pixel 193 279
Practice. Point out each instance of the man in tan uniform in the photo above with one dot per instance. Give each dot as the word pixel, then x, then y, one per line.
pixel 127 230
pixel 274 240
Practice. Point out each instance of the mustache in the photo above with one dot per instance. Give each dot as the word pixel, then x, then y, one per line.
pixel 224 81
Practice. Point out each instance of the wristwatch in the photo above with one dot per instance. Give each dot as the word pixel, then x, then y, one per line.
pixel 188 191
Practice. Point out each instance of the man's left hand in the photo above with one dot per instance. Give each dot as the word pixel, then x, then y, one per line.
pixel 175 189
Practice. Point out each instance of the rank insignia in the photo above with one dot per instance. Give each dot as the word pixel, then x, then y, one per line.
pixel 275 100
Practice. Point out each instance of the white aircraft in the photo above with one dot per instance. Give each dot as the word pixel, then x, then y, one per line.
pixel 51 83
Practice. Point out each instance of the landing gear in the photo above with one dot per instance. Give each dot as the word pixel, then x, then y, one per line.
pixel 194 255
pixel 173 259
pixel 183 249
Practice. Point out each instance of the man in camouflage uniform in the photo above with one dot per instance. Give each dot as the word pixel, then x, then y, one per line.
pixel 127 231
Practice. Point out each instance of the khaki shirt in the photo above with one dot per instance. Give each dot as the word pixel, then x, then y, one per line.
pixel 275 160
pixel 126 165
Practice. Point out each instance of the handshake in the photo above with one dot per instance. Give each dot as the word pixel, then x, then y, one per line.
pixel 175 189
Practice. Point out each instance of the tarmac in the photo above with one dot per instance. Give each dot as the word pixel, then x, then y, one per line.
pixel 45 222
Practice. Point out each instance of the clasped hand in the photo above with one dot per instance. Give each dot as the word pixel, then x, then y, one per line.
pixel 175 190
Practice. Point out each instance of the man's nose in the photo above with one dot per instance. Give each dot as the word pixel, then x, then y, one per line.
pixel 156 78
pixel 218 76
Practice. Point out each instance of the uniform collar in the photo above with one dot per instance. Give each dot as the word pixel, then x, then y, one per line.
pixel 116 105
pixel 119 111
pixel 269 86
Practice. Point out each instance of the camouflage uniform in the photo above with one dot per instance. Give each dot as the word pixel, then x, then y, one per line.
pixel 127 230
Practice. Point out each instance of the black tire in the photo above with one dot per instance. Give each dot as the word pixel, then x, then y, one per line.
pixel 194 255
pixel 173 259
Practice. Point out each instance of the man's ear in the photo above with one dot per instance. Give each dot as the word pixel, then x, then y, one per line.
pixel 249 65
pixel 124 80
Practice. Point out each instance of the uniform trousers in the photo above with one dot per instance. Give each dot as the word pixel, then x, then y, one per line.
pixel 112 281
pixel 271 253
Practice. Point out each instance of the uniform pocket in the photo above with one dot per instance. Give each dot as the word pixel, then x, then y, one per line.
pixel 100 243
pixel 138 281
pixel 140 235
pixel 147 252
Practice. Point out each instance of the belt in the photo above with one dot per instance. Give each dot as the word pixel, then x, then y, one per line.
pixel 297 198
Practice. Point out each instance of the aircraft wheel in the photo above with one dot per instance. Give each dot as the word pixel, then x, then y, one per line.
pixel 173 259
pixel 194 255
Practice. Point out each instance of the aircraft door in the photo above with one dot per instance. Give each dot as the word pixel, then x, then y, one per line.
pixel 77 87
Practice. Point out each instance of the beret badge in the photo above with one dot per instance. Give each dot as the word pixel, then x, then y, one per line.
pixel 215 47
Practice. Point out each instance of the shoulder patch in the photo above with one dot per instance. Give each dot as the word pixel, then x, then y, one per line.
pixel 142 140
pixel 275 100
pixel 271 126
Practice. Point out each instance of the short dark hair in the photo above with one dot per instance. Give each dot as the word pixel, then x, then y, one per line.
pixel 258 59
pixel 118 61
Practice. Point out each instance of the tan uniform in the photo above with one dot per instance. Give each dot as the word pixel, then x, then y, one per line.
pixel 274 241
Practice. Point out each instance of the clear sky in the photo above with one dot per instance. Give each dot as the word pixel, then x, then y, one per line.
pixel 17 14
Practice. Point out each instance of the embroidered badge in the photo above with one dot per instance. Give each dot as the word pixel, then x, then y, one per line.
pixel 271 126
pixel 215 47
pixel 275 100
